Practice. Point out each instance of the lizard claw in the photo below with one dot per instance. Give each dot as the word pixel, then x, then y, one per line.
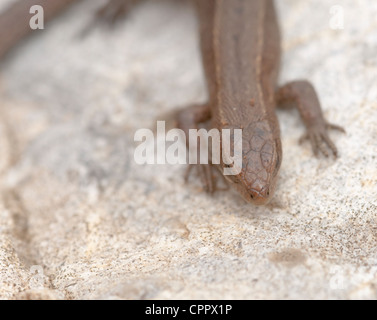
pixel 335 127
pixel 320 140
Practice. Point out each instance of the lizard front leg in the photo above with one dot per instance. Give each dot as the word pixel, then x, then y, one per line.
pixel 303 95
pixel 190 118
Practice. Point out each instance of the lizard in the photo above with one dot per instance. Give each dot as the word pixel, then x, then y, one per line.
pixel 241 53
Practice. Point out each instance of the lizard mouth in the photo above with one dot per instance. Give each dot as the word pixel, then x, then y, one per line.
pixel 257 197
pixel 254 196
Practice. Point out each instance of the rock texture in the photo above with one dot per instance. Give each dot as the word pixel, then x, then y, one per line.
pixel 80 220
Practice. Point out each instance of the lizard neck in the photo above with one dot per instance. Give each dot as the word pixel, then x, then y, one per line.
pixel 238 51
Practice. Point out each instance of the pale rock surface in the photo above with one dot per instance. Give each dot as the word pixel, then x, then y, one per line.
pixel 80 220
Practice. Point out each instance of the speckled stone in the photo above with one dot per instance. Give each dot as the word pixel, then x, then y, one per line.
pixel 80 220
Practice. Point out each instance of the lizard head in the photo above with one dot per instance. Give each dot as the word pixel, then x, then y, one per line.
pixel 261 160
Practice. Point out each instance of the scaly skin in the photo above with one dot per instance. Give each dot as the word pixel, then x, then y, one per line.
pixel 240 43
pixel 241 52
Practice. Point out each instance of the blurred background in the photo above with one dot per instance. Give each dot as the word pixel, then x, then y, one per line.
pixel 79 219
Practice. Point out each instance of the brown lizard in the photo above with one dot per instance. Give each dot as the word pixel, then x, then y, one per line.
pixel 240 44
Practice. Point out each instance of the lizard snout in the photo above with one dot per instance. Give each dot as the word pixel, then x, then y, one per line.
pixel 260 197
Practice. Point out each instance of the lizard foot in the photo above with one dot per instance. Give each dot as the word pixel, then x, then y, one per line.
pixel 320 140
